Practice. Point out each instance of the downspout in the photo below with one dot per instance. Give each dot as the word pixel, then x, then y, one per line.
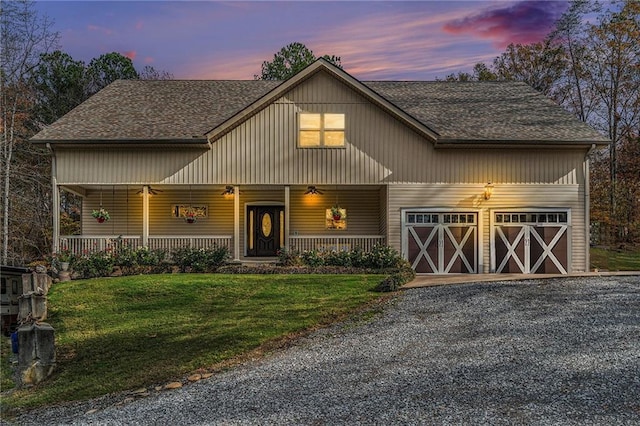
pixel 55 200
pixel 587 207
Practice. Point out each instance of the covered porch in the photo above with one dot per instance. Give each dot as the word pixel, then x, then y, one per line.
pixel 250 220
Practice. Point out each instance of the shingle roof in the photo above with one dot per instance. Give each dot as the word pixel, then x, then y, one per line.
pixel 184 110
pixel 478 111
pixel 170 110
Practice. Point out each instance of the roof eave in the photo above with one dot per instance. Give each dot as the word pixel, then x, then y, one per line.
pixel 194 142
pixel 517 143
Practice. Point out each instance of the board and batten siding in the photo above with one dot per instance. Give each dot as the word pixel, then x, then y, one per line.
pixel 510 196
pixel 263 151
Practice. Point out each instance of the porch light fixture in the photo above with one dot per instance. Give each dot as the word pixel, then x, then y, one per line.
pixel 312 190
pixel 228 191
pixel 488 190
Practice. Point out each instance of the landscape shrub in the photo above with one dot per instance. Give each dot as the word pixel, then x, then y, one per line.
pixel 400 276
pixel 142 260
pixel 337 258
pixel 190 259
pixel 382 256
pixel 98 264
pixel 312 258
pixel 289 257
pixel 358 257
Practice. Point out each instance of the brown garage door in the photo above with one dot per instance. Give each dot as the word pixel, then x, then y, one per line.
pixel 442 243
pixel 531 242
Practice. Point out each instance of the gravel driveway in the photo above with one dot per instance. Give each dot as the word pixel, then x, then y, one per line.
pixel 561 351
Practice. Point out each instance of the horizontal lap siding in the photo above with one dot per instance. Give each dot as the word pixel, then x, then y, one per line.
pixel 124 207
pixel 126 217
pixel 362 206
pixel 504 197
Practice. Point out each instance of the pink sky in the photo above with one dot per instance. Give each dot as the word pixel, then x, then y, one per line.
pixel 416 40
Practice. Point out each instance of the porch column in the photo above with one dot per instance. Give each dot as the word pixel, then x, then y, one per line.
pixel 236 223
pixel 145 215
pixel 287 202
pixel 56 215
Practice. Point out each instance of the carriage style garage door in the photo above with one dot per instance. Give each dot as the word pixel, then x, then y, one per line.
pixel 441 243
pixel 530 242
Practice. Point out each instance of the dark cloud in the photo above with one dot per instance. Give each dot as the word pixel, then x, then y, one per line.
pixel 522 22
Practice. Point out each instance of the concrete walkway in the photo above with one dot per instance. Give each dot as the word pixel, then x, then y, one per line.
pixel 436 280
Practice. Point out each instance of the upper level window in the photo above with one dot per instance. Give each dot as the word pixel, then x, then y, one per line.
pixel 321 130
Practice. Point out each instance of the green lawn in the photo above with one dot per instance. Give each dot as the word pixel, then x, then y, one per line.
pixel 615 260
pixel 114 334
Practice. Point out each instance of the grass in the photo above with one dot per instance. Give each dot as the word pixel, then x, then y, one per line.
pixel 615 260
pixel 115 334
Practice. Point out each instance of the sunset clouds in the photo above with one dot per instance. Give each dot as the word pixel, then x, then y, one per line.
pixel 230 40
pixel 523 22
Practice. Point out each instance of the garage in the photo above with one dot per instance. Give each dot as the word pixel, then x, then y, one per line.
pixel 441 242
pixel 530 242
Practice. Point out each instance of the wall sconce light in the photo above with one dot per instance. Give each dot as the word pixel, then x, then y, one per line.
pixel 488 190
pixel 150 191
pixel 228 191
pixel 312 190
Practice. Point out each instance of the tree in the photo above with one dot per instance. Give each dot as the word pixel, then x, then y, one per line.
pixel 568 34
pixel 60 84
pixel 150 73
pixel 108 68
pixel 613 72
pixel 290 60
pixel 24 37
pixel 480 73
pixel 540 65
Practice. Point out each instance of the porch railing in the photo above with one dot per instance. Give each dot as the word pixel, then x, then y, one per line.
pixel 169 243
pixel 341 243
pixel 82 245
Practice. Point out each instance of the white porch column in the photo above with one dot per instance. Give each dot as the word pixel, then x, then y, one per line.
pixel 236 223
pixel 287 202
pixel 145 215
pixel 56 214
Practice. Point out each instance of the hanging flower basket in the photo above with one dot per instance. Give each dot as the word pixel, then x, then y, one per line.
pixel 190 217
pixel 101 215
pixel 336 212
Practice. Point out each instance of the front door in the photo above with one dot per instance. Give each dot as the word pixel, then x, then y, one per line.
pixel 265 230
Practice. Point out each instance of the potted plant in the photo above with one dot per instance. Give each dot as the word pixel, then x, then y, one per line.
pixel 64 256
pixel 336 212
pixel 101 215
pixel 190 216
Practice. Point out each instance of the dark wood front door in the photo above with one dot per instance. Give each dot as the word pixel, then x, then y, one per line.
pixel 265 230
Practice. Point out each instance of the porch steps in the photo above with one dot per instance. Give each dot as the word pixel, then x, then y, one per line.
pixel 255 261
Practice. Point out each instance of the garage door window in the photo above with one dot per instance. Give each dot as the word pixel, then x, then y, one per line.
pixel 531 218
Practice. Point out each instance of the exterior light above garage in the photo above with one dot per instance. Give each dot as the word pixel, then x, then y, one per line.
pixel 488 190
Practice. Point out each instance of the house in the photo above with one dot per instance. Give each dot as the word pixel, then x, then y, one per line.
pixel 470 177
